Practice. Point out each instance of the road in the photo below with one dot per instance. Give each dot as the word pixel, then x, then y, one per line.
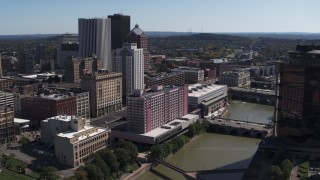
pixel 101 121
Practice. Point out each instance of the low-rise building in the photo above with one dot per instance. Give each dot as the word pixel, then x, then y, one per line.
pixel 43 106
pixel 211 99
pixel 235 78
pixel 192 75
pixel 73 140
pixel 165 79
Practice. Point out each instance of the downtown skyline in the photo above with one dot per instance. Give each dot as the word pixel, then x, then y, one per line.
pixel 54 17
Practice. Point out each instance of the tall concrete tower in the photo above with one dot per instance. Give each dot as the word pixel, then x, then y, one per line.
pixel 95 38
pixel 130 62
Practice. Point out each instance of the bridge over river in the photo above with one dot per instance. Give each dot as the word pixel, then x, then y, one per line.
pixel 197 174
pixel 239 127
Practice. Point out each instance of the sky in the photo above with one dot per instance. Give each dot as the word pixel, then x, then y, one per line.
pixel 61 16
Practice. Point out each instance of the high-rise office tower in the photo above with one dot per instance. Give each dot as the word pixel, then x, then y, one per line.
pixel 299 93
pixel 120 27
pixel 129 61
pixel 136 35
pixel 95 38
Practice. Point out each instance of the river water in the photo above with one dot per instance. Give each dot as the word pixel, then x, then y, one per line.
pixel 211 151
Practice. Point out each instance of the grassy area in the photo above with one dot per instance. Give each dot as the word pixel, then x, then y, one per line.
pixel 10 175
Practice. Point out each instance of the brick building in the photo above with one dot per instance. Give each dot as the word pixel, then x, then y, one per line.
pixel 44 106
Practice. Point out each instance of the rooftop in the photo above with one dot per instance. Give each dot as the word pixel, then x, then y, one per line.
pixel 61 118
pixel 72 134
pixel 171 125
pixel 137 31
pixel 198 90
pixel 54 96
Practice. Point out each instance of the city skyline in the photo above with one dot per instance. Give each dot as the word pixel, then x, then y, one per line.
pixel 51 17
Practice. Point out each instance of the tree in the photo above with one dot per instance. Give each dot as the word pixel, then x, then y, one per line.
pixel 94 172
pixel 123 157
pixel 275 173
pixel 286 167
pixel 167 148
pixel 81 174
pixel 110 159
pixel 103 166
pixel 23 140
pixel 49 173
pixel 132 148
pixel 157 151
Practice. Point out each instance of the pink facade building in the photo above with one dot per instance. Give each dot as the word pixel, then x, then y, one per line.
pixel 161 105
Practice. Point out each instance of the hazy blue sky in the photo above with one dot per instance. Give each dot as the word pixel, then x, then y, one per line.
pixel 61 16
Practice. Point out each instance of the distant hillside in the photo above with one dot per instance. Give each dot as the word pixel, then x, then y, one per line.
pixel 26 36
pixel 305 36
pixel 167 33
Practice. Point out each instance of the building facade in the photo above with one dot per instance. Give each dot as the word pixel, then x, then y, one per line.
pixel 120 27
pixel 105 92
pixel 165 79
pixel 73 140
pixel 136 35
pixel 7 133
pixel 150 110
pixel 77 67
pixel 130 62
pixel 299 93
pixel 95 38
pixel 191 75
pixel 6 99
pixel 65 51
pixel 43 106
pixel 235 78
pixel 211 99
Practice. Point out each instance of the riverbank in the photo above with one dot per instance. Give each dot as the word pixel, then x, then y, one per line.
pixel 208 151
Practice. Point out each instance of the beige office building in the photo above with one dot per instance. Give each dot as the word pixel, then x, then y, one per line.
pixel 73 140
pixel 105 92
pixel 237 78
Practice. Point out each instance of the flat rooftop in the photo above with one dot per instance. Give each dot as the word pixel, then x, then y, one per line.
pixel 198 90
pixel 171 125
pixel 54 96
pixel 72 134
pixel 61 118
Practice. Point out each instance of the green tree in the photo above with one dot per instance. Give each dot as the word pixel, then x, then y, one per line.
pixel 49 173
pixel 275 173
pixel 103 166
pixel 94 172
pixel 23 140
pixel 286 167
pixel 123 157
pixel 157 151
pixel 167 148
pixel 132 148
pixel 111 160
pixel 81 174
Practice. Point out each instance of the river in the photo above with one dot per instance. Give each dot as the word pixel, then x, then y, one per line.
pixel 210 151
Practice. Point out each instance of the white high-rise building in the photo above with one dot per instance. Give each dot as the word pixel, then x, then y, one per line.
pixel 130 62
pixel 95 38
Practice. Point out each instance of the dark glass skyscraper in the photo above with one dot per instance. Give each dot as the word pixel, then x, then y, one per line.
pixel 299 93
pixel 120 27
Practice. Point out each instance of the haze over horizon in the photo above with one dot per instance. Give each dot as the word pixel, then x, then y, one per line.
pixel 211 16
